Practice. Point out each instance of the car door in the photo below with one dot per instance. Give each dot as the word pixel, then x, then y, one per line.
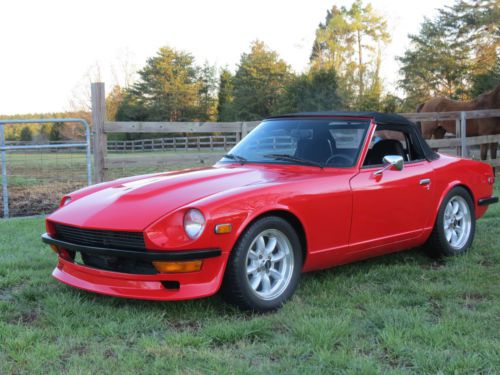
pixel 392 207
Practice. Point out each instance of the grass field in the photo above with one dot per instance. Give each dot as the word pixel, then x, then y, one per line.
pixel 399 314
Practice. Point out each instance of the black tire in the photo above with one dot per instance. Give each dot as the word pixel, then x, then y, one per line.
pixel 437 245
pixel 236 287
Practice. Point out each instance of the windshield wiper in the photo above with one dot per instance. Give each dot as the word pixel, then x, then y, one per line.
pixel 238 158
pixel 293 158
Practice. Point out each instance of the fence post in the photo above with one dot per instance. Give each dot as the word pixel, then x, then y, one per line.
pixel 244 130
pixel 5 190
pixel 100 138
pixel 463 134
pixel 458 134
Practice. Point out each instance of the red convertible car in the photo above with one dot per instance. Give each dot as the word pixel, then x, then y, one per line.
pixel 301 192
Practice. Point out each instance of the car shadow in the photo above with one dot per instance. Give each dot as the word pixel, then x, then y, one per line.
pixel 215 306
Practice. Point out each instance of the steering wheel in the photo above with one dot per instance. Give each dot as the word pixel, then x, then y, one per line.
pixel 348 160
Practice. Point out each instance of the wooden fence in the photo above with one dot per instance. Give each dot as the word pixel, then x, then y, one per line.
pixel 238 130
pixel 203 143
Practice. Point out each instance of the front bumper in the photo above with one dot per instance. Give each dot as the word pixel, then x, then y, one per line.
pixel 487 201
pixel 159 286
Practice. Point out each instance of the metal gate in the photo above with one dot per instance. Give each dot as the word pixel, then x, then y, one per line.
pixel 5 148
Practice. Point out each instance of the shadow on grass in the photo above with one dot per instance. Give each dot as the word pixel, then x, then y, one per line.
pixel 216 306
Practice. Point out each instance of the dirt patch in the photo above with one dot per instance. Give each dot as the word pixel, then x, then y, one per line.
pixel 435 308
pixel 109 353
pixel 26 318
pixel 185 325
pixel 474 296
pixel 435 265
pixel 37 200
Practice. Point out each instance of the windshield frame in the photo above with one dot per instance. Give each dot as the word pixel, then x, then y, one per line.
pixel 358 156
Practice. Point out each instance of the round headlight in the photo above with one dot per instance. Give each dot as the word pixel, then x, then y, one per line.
pixel 194 223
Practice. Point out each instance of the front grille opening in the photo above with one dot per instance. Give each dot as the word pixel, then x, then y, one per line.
pixel 101 238
pixel 171 284
pixel 117 264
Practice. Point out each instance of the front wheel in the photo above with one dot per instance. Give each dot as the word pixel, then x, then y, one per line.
pixel 455 225
pixel 265 265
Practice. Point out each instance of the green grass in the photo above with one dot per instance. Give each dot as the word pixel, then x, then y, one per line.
pixel 397 314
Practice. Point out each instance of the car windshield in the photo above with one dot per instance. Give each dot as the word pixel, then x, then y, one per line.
pixel 316 142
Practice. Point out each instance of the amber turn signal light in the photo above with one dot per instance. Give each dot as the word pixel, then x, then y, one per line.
pixel 178 267
pixel 223 228
pixel 54 247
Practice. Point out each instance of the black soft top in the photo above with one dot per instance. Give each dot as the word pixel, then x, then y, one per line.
pixel 380 118
pixel 391 119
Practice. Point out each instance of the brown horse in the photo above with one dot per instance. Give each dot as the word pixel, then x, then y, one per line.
pixel 484 126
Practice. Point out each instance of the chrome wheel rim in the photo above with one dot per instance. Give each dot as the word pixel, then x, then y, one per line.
pixel 269 264
pixel 457 222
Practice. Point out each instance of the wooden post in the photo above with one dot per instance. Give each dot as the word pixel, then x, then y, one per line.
pixel 100 138
pixel 463 134
pixel 458 134
pixel 244 130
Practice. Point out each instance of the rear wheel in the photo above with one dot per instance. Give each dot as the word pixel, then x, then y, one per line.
pixel 455 225
pixel 265 265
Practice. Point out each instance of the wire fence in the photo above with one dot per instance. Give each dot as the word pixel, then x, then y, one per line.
pixel 35 176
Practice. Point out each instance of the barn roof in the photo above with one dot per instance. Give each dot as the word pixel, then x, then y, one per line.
pixel 380 118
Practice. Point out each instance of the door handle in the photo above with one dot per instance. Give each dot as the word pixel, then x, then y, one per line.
pixel 425 181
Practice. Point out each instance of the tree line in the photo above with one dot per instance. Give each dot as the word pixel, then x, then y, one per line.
pixel 455 54
pixel 46 132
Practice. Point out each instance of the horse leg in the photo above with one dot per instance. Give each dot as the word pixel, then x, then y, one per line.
pixel 493 150
pixel 484 151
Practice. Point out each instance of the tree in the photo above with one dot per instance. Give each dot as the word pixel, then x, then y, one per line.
pixel 454 55
pixel 56 132
pixel 44 132
pixel 167 90
pixel 259 81
pixel 434 65
pixel 350 41
pixel 113 101
pixel 26 134
pixel 225 96
pixel 486 81
pixel 476 24
pixel 207 92
pixel 315 90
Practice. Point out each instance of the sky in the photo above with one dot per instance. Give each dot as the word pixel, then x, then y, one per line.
pixel 49 49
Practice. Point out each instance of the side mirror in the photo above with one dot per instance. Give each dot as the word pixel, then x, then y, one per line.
pixel 394 162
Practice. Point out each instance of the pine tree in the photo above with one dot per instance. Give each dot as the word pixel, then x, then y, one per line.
pixel 454 55
pixel 26 134
pixel 259 81
pixel 315 90
pixel 168 89
pixel 207 92
pixel 225 97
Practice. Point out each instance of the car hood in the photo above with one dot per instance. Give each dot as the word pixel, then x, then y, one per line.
pixel 133 204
